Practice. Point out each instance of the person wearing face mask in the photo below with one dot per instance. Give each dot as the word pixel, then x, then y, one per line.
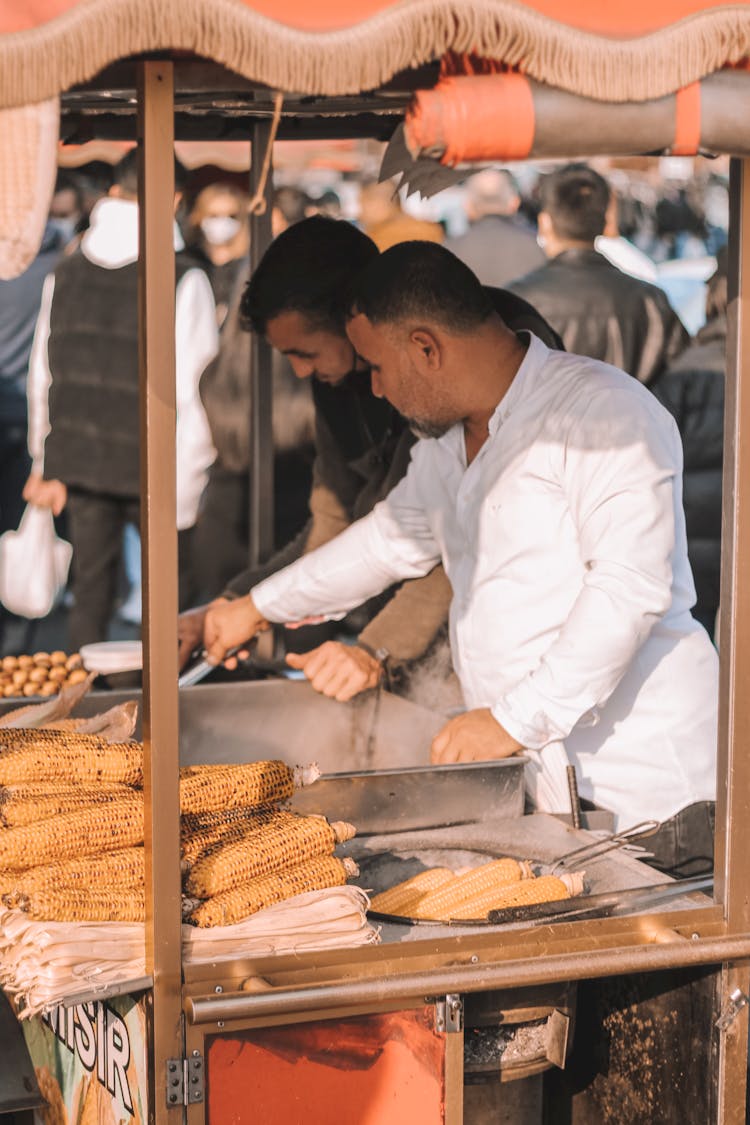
pixel 218 230
pixel 297 299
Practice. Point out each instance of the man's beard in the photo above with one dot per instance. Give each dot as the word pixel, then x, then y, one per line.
pixel 427 429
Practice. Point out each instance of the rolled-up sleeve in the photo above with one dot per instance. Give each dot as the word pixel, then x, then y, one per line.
pixel 618 474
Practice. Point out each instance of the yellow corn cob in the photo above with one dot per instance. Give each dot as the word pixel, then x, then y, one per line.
pixel 212 788
pixel 441 903
pixel 261 851
pixel 404 896
pixel 547 888
pixel 93 828
pixel 232 906
pixel 76 905
pixel 119 869
pixel 26 804
pixel 53 755
pixel 197 839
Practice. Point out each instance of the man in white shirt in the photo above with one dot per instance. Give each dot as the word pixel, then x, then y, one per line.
pixel 549 485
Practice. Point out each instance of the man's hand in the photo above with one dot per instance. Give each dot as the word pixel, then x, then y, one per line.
pixel 474 736
pixel 190 627
pixel 337 670
pixel 229 623
pixel 45 493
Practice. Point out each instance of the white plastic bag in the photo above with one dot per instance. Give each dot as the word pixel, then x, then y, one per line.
pixel 34 564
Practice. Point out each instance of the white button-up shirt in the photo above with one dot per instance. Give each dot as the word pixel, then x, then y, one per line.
pixel 564 541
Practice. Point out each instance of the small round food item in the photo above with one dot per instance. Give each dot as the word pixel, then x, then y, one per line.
pixel 20 676
pixel 74 662
pixel 49 687
pixel 77 676
pixel 57 657
pixel 12 690
pixel 30 688
pixel 57 673
pixel 41 658
pixel 10 663
pixel 25 662
pixel 38 675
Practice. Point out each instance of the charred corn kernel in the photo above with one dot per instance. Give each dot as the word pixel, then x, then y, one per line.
pixel 232 906
pixel 261 851
pixel 547 888
pixel 442 902
pixel 209 788
pixel 94 828
pixel 49 755
pixel 26 804
pixel 198 841
pixel 77 905
pixel 401 898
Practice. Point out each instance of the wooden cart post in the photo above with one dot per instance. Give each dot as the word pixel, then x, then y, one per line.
pixel 156 310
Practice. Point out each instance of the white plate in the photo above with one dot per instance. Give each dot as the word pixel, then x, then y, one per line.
pixel 113 656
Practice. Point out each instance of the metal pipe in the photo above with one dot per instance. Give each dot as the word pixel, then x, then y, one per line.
pixel 261 384
pixel 588 965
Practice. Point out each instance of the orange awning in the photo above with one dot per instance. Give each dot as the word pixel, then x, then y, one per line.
pixel 614 51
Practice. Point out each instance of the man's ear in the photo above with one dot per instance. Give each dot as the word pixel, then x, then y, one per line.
pixel 427 346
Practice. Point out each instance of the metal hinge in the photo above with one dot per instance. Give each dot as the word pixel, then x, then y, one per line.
pixel 736 1001
pixel 185 1080
pixel 449 1013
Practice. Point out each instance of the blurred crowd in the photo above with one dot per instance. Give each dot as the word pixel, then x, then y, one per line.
pixel 628 266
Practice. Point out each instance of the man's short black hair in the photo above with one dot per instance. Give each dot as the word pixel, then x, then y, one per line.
pixel 576 199
pixel 421 280
pixel 308 269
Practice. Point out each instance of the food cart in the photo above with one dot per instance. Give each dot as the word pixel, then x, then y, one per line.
pixel 380 1029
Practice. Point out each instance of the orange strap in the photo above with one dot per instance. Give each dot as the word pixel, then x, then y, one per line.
pixel 478 118
pixel 687 120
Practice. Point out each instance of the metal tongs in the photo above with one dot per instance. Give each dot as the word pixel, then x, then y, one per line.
pixel 202 668
pixel 578 858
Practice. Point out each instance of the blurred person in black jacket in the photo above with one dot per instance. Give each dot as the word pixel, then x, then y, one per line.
pixel 693 392
pixel 598 310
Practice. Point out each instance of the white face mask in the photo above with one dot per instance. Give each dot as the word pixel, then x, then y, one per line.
pixel 218 229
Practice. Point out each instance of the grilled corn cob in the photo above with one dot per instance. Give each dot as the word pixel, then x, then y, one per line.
pixel 402 898
pixel 78 905
pixel 232 906
pixel 122 869
pixel 200 834
pixel 547 888
pixel 261 851
pixel 95 828
pixel 209 788
pixel 53 755
pixel 26 804
pixel 442 902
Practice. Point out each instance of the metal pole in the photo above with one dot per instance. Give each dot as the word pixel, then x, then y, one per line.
pixel 156 312
pixel 261 380
pixel 733 781
pixel 527 972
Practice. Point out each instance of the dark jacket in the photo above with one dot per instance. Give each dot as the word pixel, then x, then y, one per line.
pixel 363 448
pixel 93 360
pixel 604 313
pixel 498 249
pixel 693 392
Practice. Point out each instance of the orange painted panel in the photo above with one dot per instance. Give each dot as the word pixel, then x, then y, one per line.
pixel 614 18
pixel 372 1070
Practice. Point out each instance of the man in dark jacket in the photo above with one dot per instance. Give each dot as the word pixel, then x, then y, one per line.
pixel 297 299
pixel 693 392
pixel 598 310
